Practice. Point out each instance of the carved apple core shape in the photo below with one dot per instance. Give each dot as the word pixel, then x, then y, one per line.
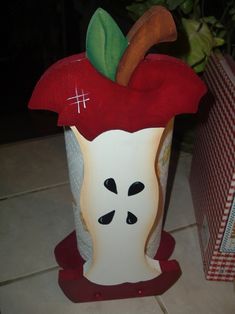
pixel 119 202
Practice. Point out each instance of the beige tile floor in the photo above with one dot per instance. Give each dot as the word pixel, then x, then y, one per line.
pixel 36 213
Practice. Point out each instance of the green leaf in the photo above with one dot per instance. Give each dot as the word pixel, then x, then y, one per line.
pixel 187 6
pixel 211 20
pixel 222 33
pixel 137 8
pixel 196 10
pixel 200 66
pixel 105 43
pixel 173 4
pixel 218 41
pixel 201 43
pixel 157 2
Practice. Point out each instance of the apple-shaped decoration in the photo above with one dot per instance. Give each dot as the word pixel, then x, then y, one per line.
pixel 119 106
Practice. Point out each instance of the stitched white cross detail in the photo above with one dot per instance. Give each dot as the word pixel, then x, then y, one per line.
pixel 79 99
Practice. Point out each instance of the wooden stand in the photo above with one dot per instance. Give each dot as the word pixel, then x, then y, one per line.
pixel 79 289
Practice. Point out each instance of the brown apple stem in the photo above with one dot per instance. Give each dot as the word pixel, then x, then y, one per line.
pixel 155 26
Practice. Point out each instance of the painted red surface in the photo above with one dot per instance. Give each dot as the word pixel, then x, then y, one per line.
pixel 78 289
pixel 160 88
pixel 212 178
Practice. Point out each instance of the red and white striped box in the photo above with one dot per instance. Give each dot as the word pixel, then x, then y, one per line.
pixel 212 177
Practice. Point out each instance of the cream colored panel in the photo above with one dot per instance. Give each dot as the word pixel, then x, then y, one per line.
pixel 114 163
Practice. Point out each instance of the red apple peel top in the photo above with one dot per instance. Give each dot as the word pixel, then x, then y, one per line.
pixel 159 88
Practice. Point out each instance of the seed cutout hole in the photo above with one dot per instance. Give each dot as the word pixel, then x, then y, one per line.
pixel 110 184
pixel 131 218
pixel 135 188
pixel 107 218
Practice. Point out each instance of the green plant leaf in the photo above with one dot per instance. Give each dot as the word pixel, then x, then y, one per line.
pixel 196 10
pixel 137 9
pixel 211 20
pixel 105 43
pixel 187 6
pixel 157 2
pixel 222 33
pixel 173 4
pixel 201 43
pixel 218 41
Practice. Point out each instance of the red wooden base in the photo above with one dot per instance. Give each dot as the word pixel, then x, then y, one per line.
pixel 79 289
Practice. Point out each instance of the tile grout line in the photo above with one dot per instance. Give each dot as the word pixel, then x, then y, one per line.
pixel 183 228
pixel 31 140
pixel 157 298
pixel 34 274
pixel 44 188
pixel 161 304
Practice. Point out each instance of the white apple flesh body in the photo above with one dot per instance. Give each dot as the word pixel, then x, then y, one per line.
pixel 119 201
